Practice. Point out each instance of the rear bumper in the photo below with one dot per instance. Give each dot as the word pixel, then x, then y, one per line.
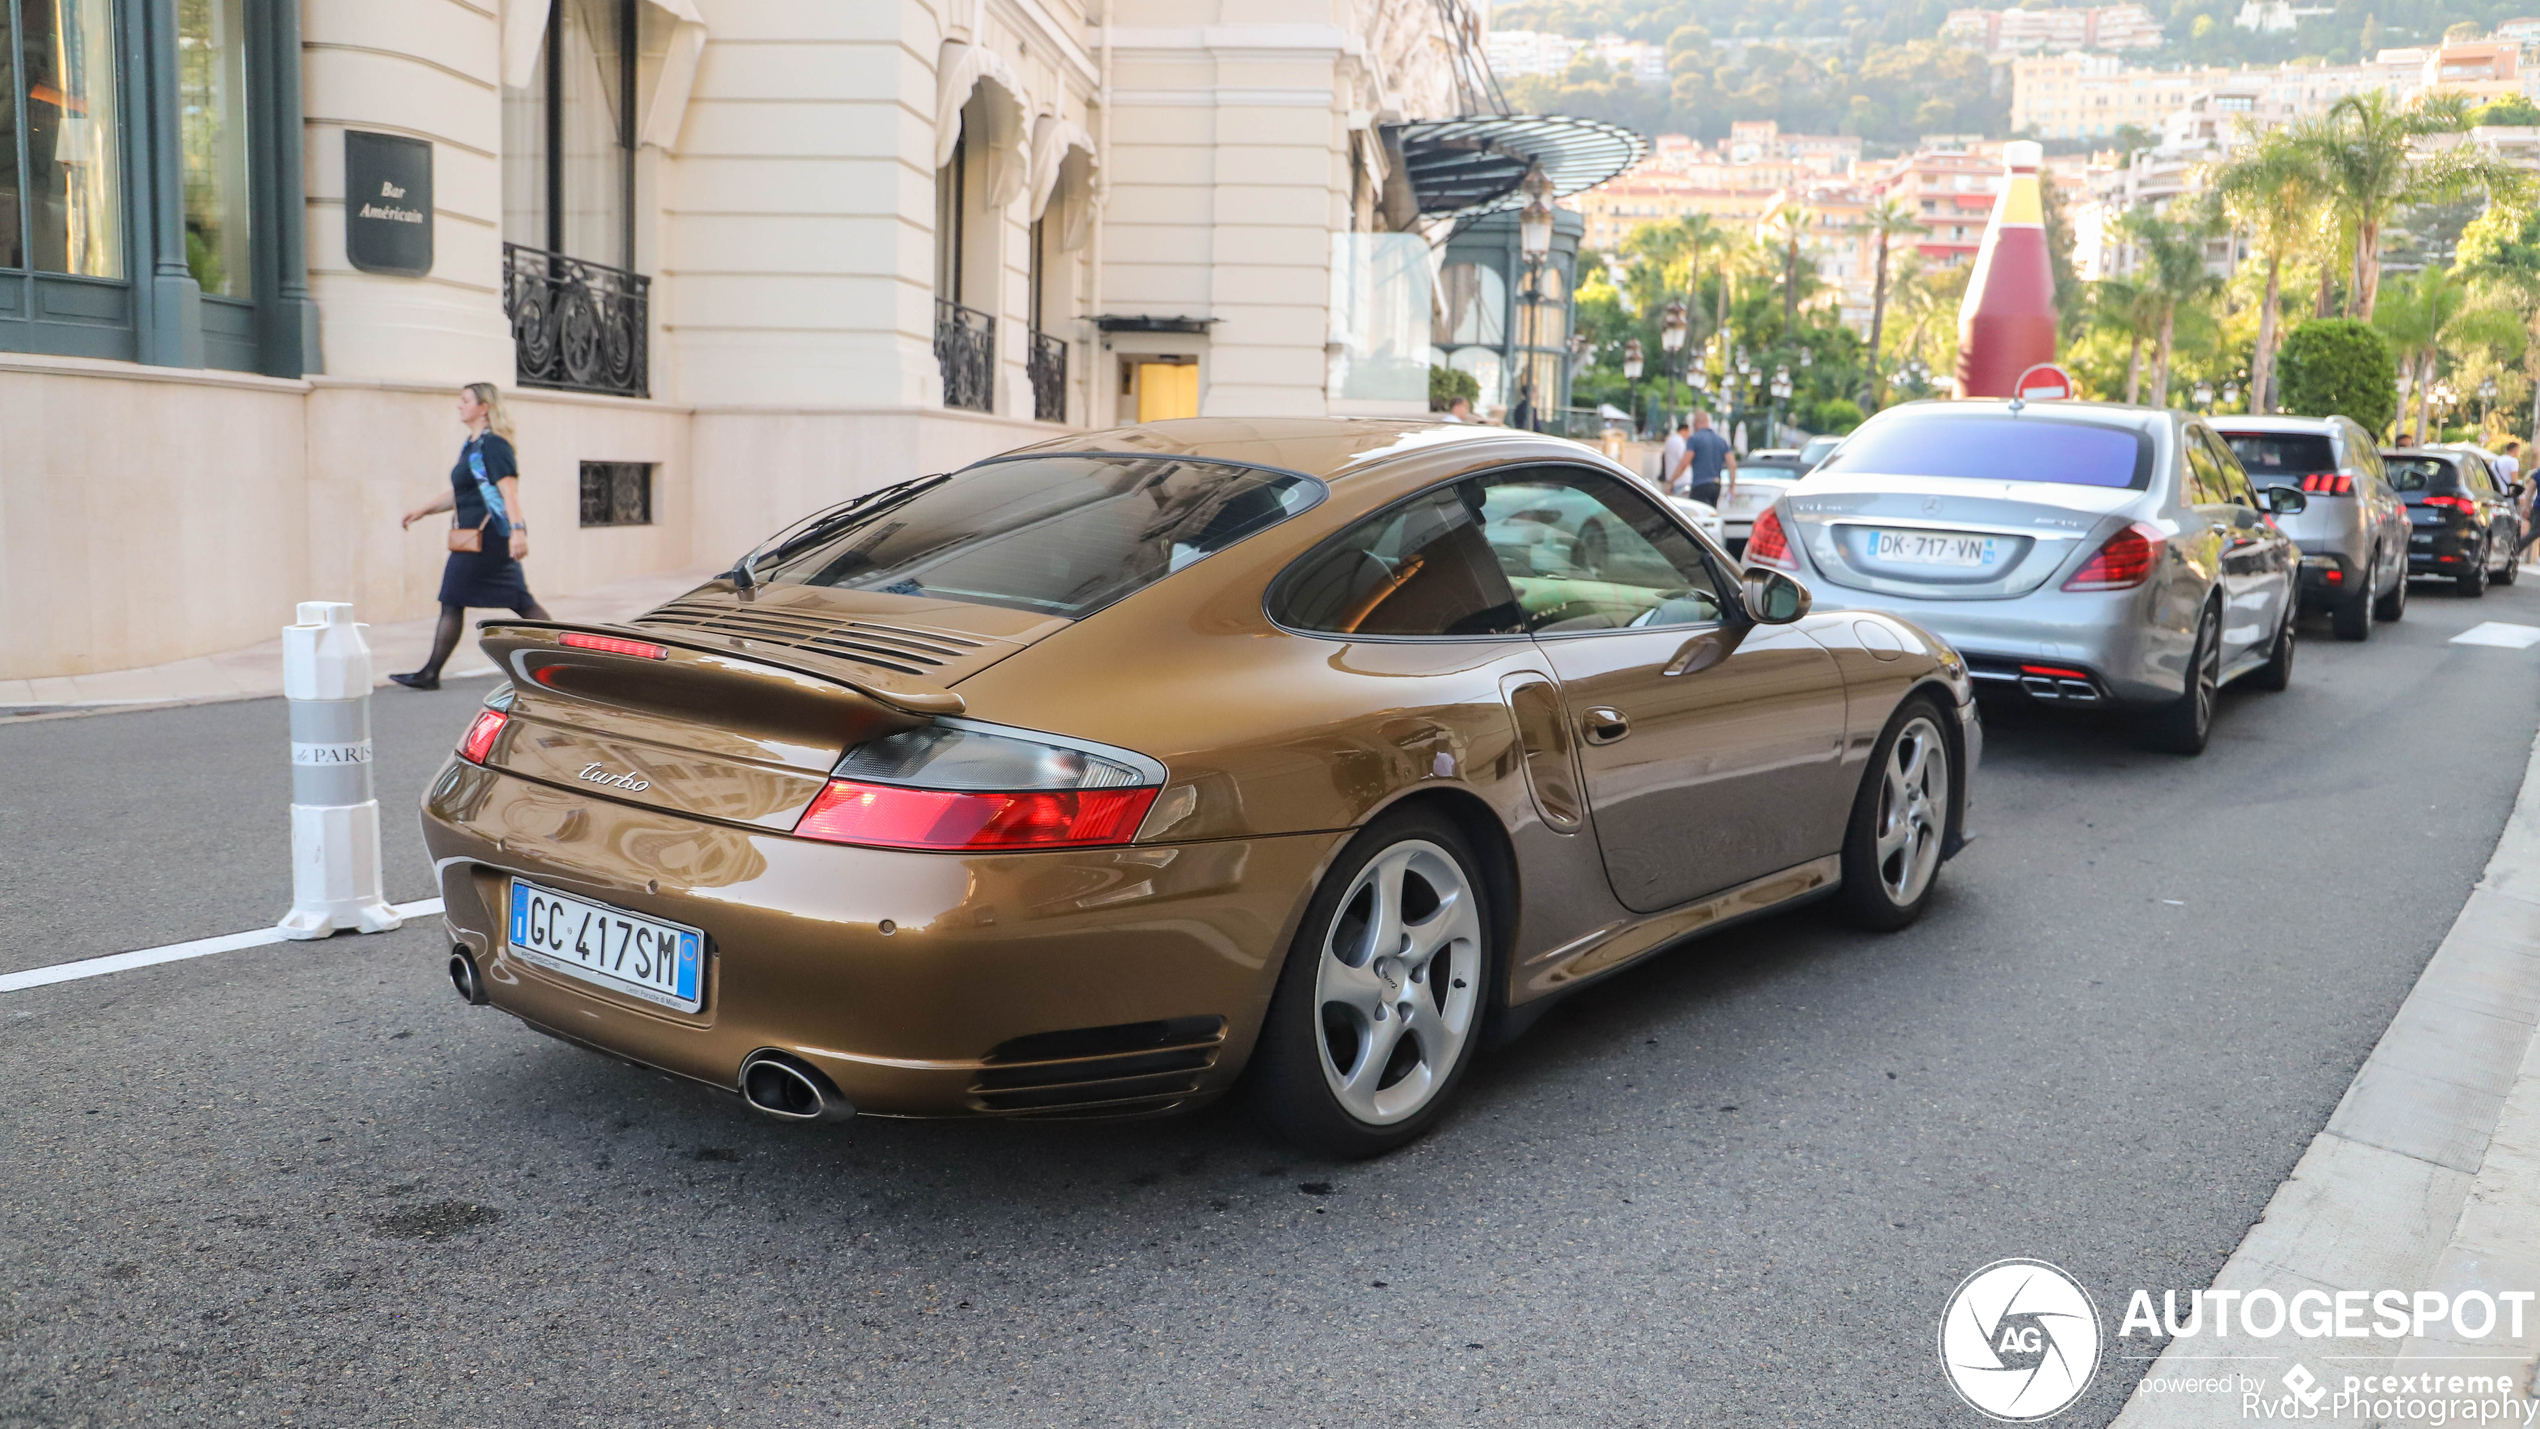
pixel 1104 981
pixel 2441 550
pixel 2109 638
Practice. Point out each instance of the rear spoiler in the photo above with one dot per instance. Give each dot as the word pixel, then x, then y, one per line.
pixel 507 640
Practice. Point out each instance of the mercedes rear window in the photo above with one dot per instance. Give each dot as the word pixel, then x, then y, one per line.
pixel 1061 535
pixel 2265 454
pixel 1998 446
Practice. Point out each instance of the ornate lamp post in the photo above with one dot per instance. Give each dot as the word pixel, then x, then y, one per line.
pixel 2486 403
pixel 2204 395
pixel 1634 363
pixel 1672 329
pixel 1781 390
pixel 1534 245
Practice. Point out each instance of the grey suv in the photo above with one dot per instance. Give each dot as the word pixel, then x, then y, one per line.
pixel 2354 532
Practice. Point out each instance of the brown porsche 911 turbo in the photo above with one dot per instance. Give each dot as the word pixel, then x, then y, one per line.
pixel 1082 780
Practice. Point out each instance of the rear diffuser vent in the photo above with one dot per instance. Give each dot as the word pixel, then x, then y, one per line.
pixel 890 647
pixel 1099 1071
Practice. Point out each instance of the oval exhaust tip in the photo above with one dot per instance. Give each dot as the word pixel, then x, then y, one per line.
pixel 466 978
pixel 790 1089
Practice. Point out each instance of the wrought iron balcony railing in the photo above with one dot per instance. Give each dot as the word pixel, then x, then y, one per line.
pixel 578 325
pixel 1046 365
pixel 966 350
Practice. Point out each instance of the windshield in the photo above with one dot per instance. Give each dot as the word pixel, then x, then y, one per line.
pixel 1997 446
pixel 1061 535
pixel 2266 454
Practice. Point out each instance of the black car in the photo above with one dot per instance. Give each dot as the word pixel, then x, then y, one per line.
pixel 2462 524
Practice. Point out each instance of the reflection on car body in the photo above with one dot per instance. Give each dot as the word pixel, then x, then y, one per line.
pixel 1117 768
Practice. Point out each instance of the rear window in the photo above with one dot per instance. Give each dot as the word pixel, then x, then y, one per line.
pixel 2265 454
pixel 1998 447
pixel 1062 535
pixel 2421 473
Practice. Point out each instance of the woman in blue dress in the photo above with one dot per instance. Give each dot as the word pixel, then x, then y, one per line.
pixel 484 495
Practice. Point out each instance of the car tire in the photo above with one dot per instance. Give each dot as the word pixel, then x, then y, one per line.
pixel 2276 676
pixel 1341 1071
pixel 2351 617
pixel 2184 725
pixel 2473 581
pixel 2394 603
pixel 1900 820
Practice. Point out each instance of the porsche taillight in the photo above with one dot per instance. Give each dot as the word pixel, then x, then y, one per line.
pixel 965 786
pixel 479 740
pixel 2123 561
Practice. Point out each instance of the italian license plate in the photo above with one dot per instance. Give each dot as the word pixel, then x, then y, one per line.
pixel 1920 548
pixel 641 957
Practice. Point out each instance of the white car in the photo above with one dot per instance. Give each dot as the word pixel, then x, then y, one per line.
pixel 1704 516
pixel 1759 481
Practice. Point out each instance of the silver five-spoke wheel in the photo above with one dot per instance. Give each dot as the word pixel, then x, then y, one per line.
pixel 1912 811
pixel 1397 982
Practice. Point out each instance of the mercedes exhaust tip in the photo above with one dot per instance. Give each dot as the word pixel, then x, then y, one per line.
pixel 465 976
pixel 787 1088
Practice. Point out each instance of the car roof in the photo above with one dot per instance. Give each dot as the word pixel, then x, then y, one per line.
pixel 1326 447
pixel 2236 423
pixel 2113 414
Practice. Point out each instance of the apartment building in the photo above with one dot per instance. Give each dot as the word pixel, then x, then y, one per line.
pixel 729 260
pixel 2091 96
pixel 2021 31
pixel 1952 190
pixel 1611 211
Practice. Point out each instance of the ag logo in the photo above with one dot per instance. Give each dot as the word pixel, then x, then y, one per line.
pixel 2019 1340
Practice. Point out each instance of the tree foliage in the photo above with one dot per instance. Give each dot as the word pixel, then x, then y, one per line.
pixel 2335 366
pixel 1890 94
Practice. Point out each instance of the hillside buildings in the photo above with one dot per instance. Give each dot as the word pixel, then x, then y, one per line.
pixel 2021 31
pixel 2092 96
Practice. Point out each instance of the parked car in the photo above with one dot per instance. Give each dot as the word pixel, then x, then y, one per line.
pixel 1081 780
pixel 1814 452
pixel 2464 525
pixel 2512 491
pixel 2354 534
pixel 1761 478
pixel 2083 553
pixel 1704 516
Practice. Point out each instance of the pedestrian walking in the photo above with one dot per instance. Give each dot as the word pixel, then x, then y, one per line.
pixel 487 538
pixel 1707 458
pixel 1671 458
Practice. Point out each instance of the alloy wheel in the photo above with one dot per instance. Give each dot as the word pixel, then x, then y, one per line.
pixel 2208 673
pixel 1397 982
pixel 1913 799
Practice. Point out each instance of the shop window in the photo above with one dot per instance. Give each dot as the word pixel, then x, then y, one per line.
pixel 617 493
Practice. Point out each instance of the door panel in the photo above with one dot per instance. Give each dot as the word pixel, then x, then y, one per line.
pixel 1724 774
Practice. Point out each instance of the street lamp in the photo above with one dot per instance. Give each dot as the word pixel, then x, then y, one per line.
pixel 1672 329
pixel 1633 364
pixel 2486 404
pixel 2204 395
pixel 1781 390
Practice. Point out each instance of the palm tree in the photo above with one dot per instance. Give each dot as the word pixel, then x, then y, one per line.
pixel 2171 264
pixel 2122 305
pixel 1787 222
pixel 2415 318
pixel 1883 220
pixel 2372 163
pixel 1668 264
pixel 2273 188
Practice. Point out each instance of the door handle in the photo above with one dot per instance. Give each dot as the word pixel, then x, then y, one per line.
pixel 1604 725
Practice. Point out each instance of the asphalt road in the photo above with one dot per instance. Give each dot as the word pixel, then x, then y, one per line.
pixel 303 1184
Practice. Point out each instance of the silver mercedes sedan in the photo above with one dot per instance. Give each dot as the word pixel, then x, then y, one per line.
pixel 2085 554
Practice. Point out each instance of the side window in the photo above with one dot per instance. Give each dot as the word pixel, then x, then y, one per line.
pixel 2235 481
pixel 1582 550
pixel 1420 568
pixel 2203 484
pixel 2364 453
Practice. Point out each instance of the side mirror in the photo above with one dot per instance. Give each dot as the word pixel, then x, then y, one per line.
pixel 2286 500
pixel 1775 599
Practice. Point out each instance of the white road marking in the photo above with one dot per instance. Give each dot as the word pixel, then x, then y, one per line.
pixel 173 952
pixel 2497 632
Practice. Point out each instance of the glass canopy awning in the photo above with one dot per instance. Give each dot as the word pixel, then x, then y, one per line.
pixel 1470 166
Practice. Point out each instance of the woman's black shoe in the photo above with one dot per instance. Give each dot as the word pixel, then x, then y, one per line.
pixel 418 680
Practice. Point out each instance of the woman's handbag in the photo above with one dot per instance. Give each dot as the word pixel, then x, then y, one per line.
pixel 471 539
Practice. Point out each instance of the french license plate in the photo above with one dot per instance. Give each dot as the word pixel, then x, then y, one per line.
pixel 1918 548
pixel 641 957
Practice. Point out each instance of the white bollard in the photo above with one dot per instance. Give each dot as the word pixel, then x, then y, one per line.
pixel 335 880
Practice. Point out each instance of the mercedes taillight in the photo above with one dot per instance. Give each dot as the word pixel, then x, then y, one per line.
pixel 1766 545
pixel 2122 562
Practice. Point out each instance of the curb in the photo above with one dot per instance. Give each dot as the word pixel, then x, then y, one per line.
pixel 2427 1176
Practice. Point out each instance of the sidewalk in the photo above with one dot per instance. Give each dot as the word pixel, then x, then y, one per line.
pixel 256 671
pixel 2426 1178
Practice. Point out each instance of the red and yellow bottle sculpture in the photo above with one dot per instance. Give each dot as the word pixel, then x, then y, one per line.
pixel 2006 324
